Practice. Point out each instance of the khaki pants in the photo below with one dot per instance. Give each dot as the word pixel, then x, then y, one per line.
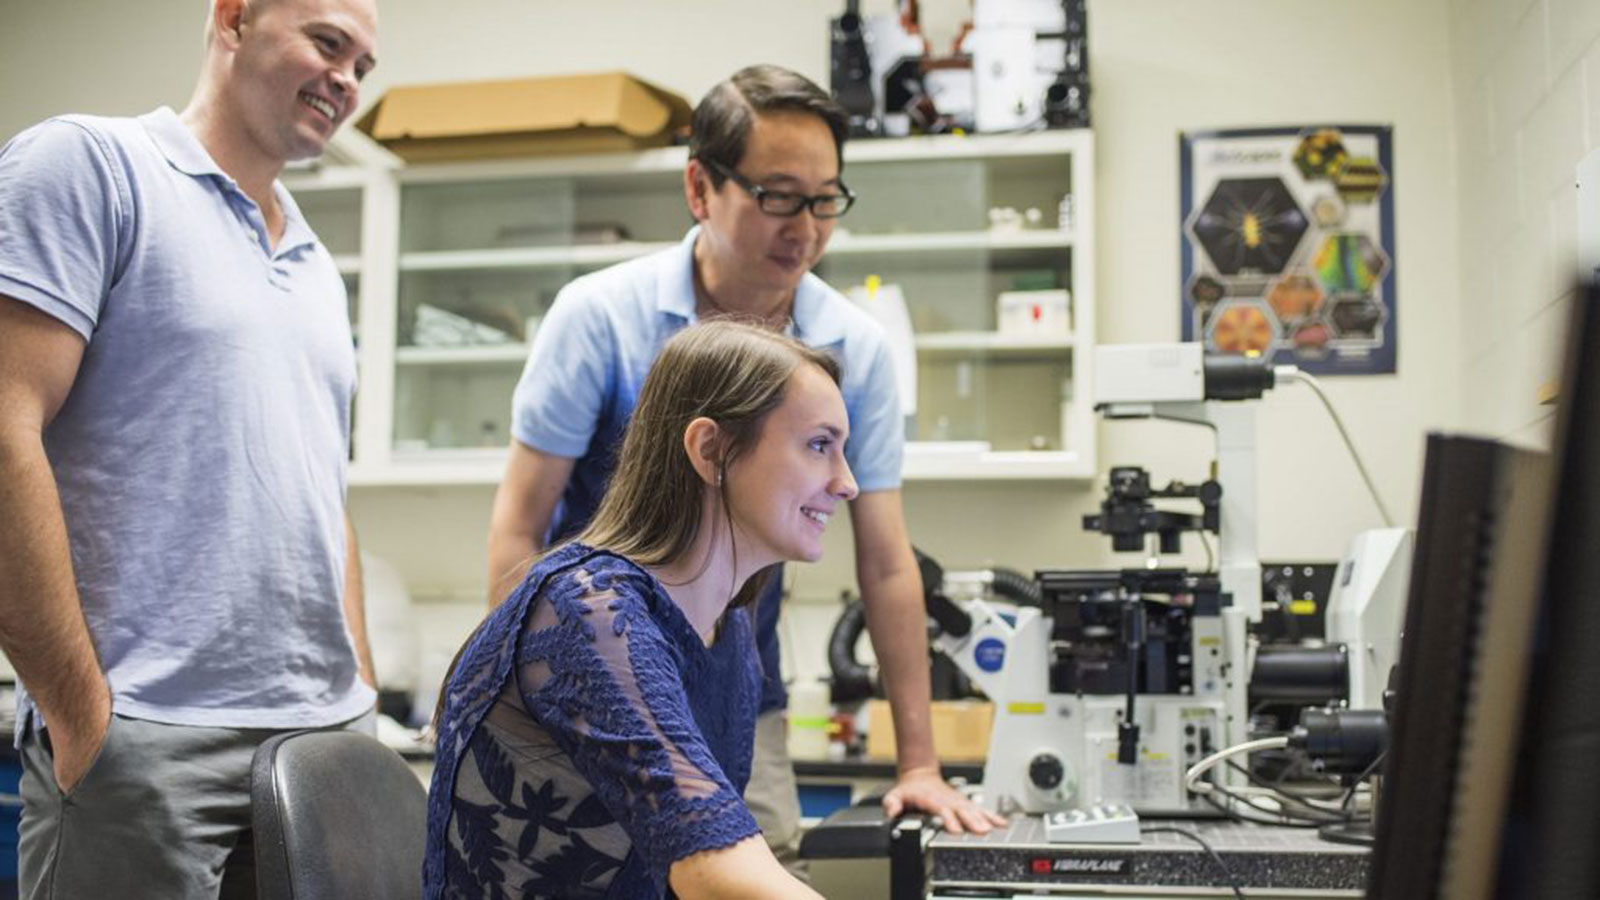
pixel 772 795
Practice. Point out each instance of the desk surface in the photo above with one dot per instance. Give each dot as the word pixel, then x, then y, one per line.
pixel 861 767
pixel 1260 857
pixel 844 769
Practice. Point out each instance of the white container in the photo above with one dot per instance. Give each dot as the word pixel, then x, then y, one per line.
pixel 887 304
pixel 1033 313
pixel 809 715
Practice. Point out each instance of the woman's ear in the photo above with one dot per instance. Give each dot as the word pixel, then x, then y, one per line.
pixel 702 440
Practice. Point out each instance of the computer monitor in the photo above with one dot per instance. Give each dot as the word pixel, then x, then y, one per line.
pixel 1492 784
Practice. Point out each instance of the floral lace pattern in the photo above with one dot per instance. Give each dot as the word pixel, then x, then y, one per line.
pixel 589 739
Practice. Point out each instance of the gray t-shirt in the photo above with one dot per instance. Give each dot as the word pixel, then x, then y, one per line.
pixel 200 456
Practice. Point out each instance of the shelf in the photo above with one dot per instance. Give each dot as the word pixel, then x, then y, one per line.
pixel 991 342
pixel 974 461
pixel 984 342
pixel 945 242
pixel 969 146
pixel 587 255
pixel 485 354
pixel 924 461
pixel 669 161
pixel 600 255
pixel 434 468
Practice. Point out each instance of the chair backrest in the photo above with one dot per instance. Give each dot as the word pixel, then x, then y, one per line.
pixel 337 816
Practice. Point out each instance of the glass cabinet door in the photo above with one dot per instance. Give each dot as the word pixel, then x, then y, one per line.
pixel 976 249
pixel 480 263
pixel 975 234
pixel 335 215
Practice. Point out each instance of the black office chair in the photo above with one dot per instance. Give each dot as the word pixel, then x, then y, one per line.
pixel 337 816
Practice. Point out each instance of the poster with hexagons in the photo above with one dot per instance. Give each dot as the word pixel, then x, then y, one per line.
pixel 1288 245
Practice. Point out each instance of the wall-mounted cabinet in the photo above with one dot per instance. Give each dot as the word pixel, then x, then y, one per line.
pixel 351 208
pixel 456 265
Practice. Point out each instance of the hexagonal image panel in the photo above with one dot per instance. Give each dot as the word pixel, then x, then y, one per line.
pixel 1243 327
pixel 1349 263
pixel 1360 179
pixel 1328 210
pixel 1249 225
pixel 1205 293
pixel 1356 317
pixel 1320 154
pixel 1295 298
pixel 1205 290
pixel 1311 339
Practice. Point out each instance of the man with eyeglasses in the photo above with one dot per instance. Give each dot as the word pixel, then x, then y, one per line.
pixel 764 185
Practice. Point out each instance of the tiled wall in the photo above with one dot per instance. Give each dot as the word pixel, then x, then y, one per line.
pixel 1526 78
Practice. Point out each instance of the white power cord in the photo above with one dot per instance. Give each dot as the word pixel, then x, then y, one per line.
pixel 1191 779
pixel 1293 373
pixel 1252 808
pixel 1262 805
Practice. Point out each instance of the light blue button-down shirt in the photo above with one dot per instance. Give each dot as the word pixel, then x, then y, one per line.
pixel 592 352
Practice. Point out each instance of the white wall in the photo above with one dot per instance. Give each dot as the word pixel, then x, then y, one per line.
pixel 1527 109
pixel 1159 66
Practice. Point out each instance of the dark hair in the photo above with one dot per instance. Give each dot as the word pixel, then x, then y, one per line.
pixel 720 129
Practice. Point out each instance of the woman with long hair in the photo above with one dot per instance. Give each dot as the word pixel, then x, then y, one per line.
pixel 588 746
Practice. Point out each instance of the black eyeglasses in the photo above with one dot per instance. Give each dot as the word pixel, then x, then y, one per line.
pixel 785 203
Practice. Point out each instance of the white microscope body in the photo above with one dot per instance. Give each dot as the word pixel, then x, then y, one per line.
pixel 1050 750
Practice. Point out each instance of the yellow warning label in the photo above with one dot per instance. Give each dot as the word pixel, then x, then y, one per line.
pixel 1303 607
pixel 1025 709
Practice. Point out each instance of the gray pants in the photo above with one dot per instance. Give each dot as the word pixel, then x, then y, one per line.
pixel 772 795
pixel 163 813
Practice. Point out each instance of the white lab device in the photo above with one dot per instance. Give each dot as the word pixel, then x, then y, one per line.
pixel 1101 823
pixel 1366 610
pixel 1149 373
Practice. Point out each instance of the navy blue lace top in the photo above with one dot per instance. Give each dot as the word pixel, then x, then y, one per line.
pixel 590 739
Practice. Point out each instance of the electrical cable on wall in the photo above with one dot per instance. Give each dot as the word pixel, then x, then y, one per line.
pixel 1293 373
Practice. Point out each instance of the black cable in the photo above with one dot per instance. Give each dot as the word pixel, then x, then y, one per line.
pixel 1227 873
pixel 1128 730
pixel 1280 817
pixel 1350 795
pixel 1211 558
pixel 1277 785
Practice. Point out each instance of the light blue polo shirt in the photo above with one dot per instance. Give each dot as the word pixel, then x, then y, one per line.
pixel 593 350
pixel 200 456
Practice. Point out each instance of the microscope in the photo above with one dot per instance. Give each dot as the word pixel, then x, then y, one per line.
pixel 1113 684
pixel 1119 681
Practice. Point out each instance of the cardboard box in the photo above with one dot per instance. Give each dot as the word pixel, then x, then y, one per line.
pixel 960 730
pixel 568 114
